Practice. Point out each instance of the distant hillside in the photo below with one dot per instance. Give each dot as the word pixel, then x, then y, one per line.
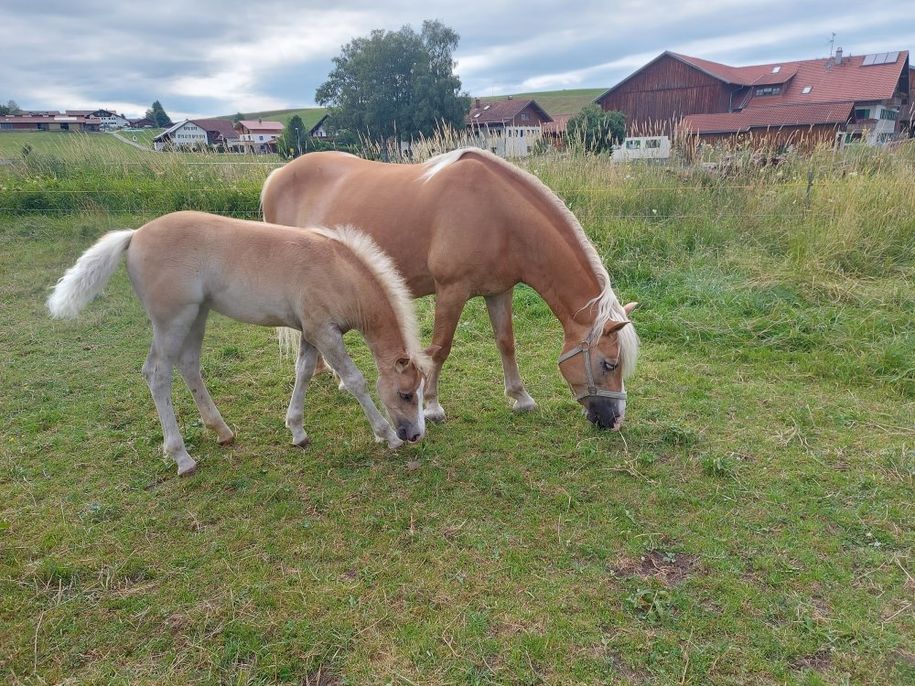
pixel 309 115
pixel 556 102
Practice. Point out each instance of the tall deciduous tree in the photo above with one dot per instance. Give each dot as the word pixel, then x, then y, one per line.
pixel 396 84
pixel 596 130
pixel 158 115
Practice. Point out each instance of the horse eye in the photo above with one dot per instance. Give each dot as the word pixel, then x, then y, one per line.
pixel 608 365
pixel 407 397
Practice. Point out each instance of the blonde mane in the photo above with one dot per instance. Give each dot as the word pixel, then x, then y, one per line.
pixel 606 305
pixel 385 272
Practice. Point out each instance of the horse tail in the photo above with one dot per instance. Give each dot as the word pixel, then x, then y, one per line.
pixel 86 279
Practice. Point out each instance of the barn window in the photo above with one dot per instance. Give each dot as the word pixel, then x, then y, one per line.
pixel 776 69
pixel 807 89
pixel 862 113
pixel 525 116
pixel 768 90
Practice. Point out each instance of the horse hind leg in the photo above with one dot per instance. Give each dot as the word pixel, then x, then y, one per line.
pixel 189 366
pixel 500 315
pixel 168 339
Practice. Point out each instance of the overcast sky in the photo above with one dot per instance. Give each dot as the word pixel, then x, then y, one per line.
pixel 207 57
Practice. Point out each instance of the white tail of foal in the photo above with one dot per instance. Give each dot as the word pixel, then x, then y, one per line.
pixel 86 279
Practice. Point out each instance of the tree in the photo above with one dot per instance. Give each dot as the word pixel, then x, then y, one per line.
pixel 396 84
pixel 10 108
pixel 158 115
pixel 292 141
pixel 596 130
pixel 238 117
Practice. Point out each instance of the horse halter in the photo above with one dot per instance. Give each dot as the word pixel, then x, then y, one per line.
pixel 584 348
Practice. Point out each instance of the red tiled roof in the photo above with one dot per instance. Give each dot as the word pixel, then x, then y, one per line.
pixel 769 117
pixel 255 125
pixel 220 126
pixel 830 82
pixel 502 111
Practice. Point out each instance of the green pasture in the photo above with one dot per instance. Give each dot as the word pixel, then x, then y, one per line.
pixel 568 101
pixel 310 115
pixel 752 523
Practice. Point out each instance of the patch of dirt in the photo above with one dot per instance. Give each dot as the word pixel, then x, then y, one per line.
pixel 668 568
pixel 818 661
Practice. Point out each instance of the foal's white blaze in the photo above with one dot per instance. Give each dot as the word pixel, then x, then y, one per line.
pixel 420 415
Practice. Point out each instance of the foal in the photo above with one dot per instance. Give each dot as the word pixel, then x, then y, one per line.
pixel 320 282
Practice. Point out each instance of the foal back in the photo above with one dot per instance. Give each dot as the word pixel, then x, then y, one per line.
pixel 246 270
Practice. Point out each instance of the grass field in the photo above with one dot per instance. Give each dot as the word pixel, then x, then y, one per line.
pixel 751 524
pixel 557 102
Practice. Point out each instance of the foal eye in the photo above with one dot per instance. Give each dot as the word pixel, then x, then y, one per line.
pixel 608 365
pixel 407 397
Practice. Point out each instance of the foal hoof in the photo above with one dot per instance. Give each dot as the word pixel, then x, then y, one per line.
pixel 434 413
pixel 525 405
pixel 187 467
pixel 304 443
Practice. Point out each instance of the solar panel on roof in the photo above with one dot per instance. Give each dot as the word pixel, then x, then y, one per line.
pixel 868 60
pixel 891 57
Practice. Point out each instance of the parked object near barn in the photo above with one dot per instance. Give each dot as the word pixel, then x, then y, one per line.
pixel 320 282
pixel 468 223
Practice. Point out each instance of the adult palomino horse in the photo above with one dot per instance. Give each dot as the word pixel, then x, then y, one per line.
pixel 467 223
pixel 320 282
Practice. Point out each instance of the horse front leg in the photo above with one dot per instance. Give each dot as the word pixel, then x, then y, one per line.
pixel 304 370
pixel 449 303
pixel 500 316
pixel 334 352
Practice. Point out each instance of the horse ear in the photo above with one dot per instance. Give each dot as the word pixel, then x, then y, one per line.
pixel 612 326
pixel 401 364
pixel 629 307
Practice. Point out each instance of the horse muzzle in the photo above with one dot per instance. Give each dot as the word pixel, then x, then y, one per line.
pixel 604 413
pixel 409 432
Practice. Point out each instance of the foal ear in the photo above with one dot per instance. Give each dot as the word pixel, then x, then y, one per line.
pixel 612 326
pixel 629 307
pixel 402 364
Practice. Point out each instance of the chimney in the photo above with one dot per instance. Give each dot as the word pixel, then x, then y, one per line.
pixel 509 97
pixel 477 104
pixel 838 55
pixel 260 121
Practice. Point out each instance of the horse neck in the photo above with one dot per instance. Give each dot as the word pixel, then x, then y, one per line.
pixel 373 315
pixel 559 270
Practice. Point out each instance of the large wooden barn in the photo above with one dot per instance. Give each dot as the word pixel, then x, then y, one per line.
pixel 851 96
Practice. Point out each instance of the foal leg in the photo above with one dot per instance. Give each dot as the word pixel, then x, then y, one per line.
pixel 189 366
pixel 331 347
pixel 304 370
pixel 500 315
pixel 168 339
pixel 448 306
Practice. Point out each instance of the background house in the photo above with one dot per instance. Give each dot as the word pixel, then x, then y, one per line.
pixel 217 134
pixel 509 128
pixel 257 135
pixel 781 101
pixel 49 122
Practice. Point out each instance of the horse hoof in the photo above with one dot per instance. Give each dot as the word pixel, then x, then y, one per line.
pixel 304 443
pixel 522 406
pixel 228 440
pixel 187 468
pixel 434 414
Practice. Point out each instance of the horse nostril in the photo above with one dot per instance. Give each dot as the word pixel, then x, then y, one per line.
pixel 402 434
pixel 415 437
